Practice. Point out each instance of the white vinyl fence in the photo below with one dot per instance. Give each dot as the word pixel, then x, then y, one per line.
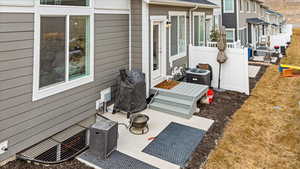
pixel 280 39
pixel 234 73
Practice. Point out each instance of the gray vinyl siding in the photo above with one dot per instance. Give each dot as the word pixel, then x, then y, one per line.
pixel 23 122
pixel 161 10
pixel 136 34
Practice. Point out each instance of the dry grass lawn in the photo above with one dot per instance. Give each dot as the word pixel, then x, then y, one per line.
pixel 265 132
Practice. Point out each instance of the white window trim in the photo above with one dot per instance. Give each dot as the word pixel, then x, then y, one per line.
pixel 249 6
pixel 53 10
pixel 241 6
pixel 253 6
pixel 198 14
pixel 183 54
pixel 228 11
pixel 233 30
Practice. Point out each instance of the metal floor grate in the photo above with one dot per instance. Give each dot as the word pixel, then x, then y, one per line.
pixel 116 160
pixel 59 147
pixel 175 143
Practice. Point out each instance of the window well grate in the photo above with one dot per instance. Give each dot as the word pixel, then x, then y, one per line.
pixel 58 148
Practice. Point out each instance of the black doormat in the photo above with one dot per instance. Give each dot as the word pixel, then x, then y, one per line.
pixel 175 143
pixel 116 160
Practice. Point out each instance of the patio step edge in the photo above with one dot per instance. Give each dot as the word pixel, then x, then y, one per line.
pixel 178 96
pixel 174 101
pixel 173 110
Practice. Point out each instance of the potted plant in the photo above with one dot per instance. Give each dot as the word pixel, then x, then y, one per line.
pixel 214 35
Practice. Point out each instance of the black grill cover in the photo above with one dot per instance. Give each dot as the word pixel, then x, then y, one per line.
pixel 131 92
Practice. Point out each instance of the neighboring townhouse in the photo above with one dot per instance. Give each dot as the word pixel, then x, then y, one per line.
pixel 217 14
pixel 162 32
pixel 57 56
pixel 264 17
pixel 242 20
pixel 276 21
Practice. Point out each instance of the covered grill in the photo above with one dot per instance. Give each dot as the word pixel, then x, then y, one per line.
pixel 131 92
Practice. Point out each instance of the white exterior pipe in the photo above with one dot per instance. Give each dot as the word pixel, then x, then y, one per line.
pixel 191 10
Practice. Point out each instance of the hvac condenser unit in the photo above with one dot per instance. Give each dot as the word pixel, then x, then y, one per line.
pixel 103 138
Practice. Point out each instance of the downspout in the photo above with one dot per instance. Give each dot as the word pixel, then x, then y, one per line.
pixel 189 58
pixel 191 10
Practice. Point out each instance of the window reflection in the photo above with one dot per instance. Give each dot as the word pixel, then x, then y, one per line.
pixel 52 50
pixel 78 47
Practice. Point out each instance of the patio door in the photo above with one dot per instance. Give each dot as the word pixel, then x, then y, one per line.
pixel 158 50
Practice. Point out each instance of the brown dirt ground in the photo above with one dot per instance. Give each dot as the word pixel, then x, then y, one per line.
pixel 265 132
pixel 225 104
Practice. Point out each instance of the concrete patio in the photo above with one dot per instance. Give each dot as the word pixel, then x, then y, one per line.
pixel 133 145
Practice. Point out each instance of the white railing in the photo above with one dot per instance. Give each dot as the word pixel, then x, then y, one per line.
pixel 212 44
pixel 236 44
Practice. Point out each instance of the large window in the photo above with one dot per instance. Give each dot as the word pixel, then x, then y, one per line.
pixel 228 6
pixel 248 6
pixel 243 36
pixel 241 3
pixel 178 44
pixel 199 29
pixel 63 57
pixel 253 6
pixel 230 35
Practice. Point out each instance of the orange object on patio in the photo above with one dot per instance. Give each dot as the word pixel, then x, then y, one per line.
pixel 287 72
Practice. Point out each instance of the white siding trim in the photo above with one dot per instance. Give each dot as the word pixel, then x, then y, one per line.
pixel 237 19
pixel 130 50
pixel 105 11
pixel 16 9
pixel 145 45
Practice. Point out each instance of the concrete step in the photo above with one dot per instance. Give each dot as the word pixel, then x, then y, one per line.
pixel 176 95
pixel 187 104
pixel 171 109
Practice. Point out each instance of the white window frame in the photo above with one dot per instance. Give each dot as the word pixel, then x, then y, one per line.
pixel 228 11
pixel 183 54
pixel 56 10
pixel 200 14
pixel 248 4
pixel 233 30
pixel 241 6
pixel 253 7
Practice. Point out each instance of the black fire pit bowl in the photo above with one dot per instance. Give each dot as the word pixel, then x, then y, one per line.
pixel 139 120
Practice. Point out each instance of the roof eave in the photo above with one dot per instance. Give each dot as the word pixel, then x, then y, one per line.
pixel 179 3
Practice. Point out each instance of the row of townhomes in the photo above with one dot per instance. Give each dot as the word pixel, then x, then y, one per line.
pixel 247 20
pixel 56 56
